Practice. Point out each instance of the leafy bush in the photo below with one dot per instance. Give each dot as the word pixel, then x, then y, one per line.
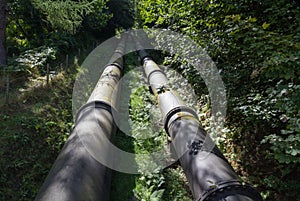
pixel 286 145
pixel 33 58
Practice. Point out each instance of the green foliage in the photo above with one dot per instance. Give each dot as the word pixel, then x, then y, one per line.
pixel 286 150
pixel 147 140
pixel 31 138
pixel 33 129
pixel 147 187
pixel 24 28
pixel 68 15
pixel 177 190
pixel 98 20
pixel 28 26
pixel 289 187
pixel 62 42
pixel 122 11
pixel 21 168
pixel 33 58
pixel 148 137
pixel 286 146
pixel 255 45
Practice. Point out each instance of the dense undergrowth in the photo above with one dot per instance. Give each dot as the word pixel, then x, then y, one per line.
pixel 255 46
pixel 33 130
pixel 34 127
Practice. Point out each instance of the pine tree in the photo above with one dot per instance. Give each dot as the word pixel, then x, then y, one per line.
pixel 67 15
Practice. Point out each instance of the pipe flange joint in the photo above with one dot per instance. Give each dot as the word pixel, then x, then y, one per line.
pixel 174 114
pixel 94 104
pixel 144 58
pixel 119 66
pixel 230 188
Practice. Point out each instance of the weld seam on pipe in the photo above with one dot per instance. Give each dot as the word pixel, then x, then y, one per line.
pixel 154 71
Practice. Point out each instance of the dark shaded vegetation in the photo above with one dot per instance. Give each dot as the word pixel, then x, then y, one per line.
pixel 33 130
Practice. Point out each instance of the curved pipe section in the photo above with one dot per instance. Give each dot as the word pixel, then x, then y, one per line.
pixel 76 175
pixel 209 174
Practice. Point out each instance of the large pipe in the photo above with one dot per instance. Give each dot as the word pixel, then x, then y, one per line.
pixel 76 175
pixel 209 174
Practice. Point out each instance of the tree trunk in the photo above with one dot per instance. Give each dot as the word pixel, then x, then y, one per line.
pixel 3 58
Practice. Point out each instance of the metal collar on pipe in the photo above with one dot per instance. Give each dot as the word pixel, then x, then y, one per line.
pixel 119 66
pixel 224 190
pixel 94 104
pixel 142 52
pixel 176 113
pixel 144 56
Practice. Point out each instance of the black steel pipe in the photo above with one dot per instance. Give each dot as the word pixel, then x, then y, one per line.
pixel 76 175
pixel 209 174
